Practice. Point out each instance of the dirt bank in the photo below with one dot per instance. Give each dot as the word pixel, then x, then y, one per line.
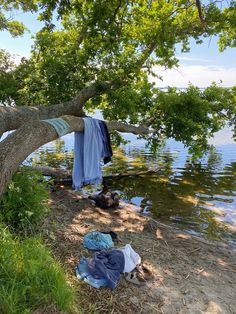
pixel 190 275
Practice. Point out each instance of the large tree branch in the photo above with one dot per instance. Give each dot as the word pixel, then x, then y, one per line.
pixel 200 14
pixel 11 118
pixel 33 134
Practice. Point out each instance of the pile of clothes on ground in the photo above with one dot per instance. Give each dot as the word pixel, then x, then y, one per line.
pixel 106 266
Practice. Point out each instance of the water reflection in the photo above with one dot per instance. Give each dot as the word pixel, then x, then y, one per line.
pixel 54 154
pixel 197 197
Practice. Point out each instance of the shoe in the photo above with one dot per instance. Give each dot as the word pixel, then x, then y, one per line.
pixel 140 275
pixel 144 271
pixel 134 278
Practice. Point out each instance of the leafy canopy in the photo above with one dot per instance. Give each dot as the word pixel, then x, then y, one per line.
pixel 122 41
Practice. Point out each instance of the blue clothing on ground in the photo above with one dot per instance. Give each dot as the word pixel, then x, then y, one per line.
pixel 107 265
pixel 97 241
pixel 88 151
pixel 83 274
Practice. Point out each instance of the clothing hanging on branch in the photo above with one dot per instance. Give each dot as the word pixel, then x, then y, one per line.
pixel 90 147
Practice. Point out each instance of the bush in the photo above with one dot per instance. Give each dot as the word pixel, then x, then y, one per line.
pixel 29 277
pixel 24 202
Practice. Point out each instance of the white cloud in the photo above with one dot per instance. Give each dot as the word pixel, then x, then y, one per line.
pixel 199 75
pixel 192 59
pixel 17 58
pixel 223 137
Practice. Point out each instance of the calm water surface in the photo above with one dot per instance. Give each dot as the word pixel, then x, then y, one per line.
pixel 199 198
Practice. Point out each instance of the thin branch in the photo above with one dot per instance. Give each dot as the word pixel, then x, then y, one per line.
pixel 200 14
pixel 65 176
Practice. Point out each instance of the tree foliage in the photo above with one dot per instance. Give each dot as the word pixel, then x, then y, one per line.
pixel 122 41
pixel 9 9
pixel 8 86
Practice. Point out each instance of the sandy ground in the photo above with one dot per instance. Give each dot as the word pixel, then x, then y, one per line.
pixel 191 275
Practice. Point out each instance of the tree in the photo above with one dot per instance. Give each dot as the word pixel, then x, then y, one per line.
pixel 101 57
pixel 8 86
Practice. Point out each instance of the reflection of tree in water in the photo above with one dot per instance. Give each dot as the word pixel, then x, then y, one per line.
pixel 191 197
pixel 133 160
pixel 55 155
pixel 124 160
pixel 187 196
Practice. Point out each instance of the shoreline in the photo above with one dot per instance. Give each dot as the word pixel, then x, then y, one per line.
pixel 191 275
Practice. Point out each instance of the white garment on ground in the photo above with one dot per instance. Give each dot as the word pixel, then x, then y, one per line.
pixel 132 259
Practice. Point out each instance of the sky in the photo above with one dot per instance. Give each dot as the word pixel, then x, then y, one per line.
pixel 201 66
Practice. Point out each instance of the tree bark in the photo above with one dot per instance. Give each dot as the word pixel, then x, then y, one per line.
pixel 35 133
pixel 11 118
pixel 63 176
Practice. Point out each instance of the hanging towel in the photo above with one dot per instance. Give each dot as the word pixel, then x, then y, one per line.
pixel 107 150
pixel 88 151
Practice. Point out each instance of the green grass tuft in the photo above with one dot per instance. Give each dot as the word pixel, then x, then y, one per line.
pixel 30 277
pixel 25 201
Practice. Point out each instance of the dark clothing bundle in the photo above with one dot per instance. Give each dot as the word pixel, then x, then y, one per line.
pixel 104 269
pixel 107 265
pixel 107 153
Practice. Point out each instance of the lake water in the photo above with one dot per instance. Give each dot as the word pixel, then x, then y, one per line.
pixel 199 198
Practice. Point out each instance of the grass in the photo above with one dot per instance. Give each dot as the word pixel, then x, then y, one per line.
pixel 25 201
pixel 30 277
pixel 31 280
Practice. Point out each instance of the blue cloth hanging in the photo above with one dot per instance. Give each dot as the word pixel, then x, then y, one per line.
pixel 107 149
pixel 88 151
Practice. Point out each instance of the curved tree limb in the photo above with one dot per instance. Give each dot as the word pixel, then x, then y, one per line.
pixel 11 118
pixel 35 133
